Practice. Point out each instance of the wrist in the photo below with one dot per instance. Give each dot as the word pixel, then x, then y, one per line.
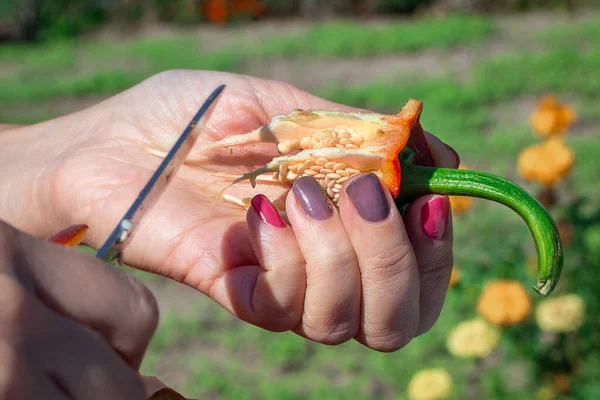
pixel 27 153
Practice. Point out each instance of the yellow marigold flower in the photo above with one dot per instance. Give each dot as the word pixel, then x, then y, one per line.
pixel 561 314
pixel 455 277
pixel 546 163
pixel 460 204
pixel 504 302
pixel 552 117
pixel 473 339
pixel 430 384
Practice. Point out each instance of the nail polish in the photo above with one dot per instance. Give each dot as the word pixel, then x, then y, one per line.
pixel 434 217
pixel 311 198
pixel 368 198
pixel 267 211
pixel 70 237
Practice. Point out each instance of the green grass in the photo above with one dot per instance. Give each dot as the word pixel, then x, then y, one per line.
pixel 572 34
pixel 72 68
pixel 218 356
pixel 353 39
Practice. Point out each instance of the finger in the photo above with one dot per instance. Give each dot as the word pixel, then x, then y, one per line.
pixel 390 277
pixel 443 155
pixel 269 295
pixel 434 256
pixel 20 380
pixel 332 300
pixel 89 291
pixel 152 384
pixel 429 226
pixel 86 367
pixel 37 342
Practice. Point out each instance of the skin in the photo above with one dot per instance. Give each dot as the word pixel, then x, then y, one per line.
pixel 381 284
pixel 71 326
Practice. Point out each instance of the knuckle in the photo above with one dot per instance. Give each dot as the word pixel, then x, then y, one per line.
pixel 330 256
pixel 390 344
pixel 388 337
pixel 386 341
pixel 387 264
pixel 329 332
pixel 278 318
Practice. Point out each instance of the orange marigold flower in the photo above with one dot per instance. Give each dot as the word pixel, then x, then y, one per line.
pixel 552 117
pixel 504 302
pixel 562 383
pixel 460 204
pixel 546 163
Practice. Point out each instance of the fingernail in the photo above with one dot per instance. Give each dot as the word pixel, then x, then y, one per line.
pixel 69 237
pixel 368 198
pixel 267 211
pixel 311 198
pixel 434 216
pixel 456 156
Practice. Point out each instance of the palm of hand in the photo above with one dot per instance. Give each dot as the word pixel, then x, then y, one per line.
pixel 187 237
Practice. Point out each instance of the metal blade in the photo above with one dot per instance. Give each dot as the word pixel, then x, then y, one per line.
pixel 122 234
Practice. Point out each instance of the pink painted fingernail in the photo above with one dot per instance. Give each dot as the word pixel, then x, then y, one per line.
pixel 434 217
pixel 267 211
pixel 456 156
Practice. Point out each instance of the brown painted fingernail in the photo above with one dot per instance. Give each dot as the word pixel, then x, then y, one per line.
pixel 311 198
pixel 368 198
pixel 456 156
pixel 434 217
pixel 267 211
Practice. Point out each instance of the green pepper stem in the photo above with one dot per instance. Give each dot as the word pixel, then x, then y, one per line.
pixel 418 181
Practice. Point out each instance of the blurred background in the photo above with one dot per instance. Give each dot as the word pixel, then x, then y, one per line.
pixel 512 85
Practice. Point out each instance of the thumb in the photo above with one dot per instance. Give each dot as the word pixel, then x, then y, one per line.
pixel 89 291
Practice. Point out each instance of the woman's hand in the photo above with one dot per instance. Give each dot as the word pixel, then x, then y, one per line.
pixel 71 326
pixel 358 272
